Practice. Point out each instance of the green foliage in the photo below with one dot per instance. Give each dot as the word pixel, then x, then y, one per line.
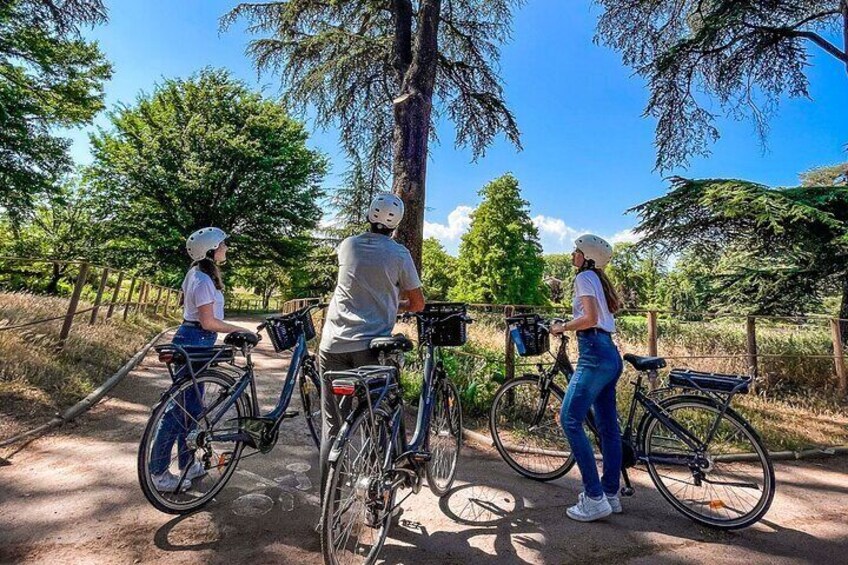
pixel 349 60
pixel 833 175
pixel 500 259
pixel 199 152
pixel 49 77
pixel 743 54
pixel 438 270
pixel 780 250
pixel 636 274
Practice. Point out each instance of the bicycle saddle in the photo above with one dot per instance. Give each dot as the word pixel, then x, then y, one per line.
pixel 645 363
pixel 240 339
pixel 397 342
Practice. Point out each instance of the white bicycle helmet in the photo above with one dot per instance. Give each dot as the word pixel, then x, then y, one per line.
pixel 595 249
pixel 203 241
pixel 386 209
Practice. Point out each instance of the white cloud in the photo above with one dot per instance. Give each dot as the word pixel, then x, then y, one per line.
pixel 624 236
pixel 555 235
pixel 458 222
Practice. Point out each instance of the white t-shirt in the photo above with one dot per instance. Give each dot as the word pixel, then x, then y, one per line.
pixel 587 283
pixel 199 289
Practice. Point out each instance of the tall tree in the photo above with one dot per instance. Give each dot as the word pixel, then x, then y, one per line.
pixel 438 270
pixel 500 258
pixel 383 72
pixel 199 152
pixel 745 54
pixel 779 249
pixel 49 77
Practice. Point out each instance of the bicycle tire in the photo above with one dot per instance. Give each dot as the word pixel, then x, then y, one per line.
pixel 556 437
pixel 441 471
pixel 156 498
pixel 759 456
pixel 313 416
pixel 336 477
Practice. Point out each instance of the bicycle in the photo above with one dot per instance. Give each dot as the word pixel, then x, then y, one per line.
pixel 706 460
pixel 214 407
pixel 371 458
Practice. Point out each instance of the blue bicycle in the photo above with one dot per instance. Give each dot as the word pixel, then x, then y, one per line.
pixel 202 425
pixel 372 458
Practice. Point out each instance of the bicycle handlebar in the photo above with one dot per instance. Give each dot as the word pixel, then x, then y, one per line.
pixel 428 316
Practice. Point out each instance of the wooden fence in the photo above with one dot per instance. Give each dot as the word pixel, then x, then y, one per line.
pixel 106 296
pixel 752 354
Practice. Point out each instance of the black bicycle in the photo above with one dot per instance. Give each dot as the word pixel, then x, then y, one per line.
pixel 372 458
pixel 704 457
pixel 212 409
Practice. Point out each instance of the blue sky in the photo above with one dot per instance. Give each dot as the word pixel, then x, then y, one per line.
pixel 588 152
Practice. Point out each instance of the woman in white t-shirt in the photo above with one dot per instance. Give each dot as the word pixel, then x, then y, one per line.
pixel 593 384
pixel 203 317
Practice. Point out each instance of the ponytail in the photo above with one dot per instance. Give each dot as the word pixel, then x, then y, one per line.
pixel 614 303
pixel 208 266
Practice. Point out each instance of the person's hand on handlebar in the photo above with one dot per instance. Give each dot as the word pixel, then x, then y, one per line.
pixel 557 326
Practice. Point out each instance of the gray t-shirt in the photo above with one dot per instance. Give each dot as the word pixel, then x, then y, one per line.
pixel 373 271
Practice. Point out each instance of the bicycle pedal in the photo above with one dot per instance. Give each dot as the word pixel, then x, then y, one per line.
pixel 290 414
pixel 420 456
pixel 627 491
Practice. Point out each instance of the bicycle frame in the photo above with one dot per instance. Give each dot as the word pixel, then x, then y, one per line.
pixel 275 416
pixel 420 437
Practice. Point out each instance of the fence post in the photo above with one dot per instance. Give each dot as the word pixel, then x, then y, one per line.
pixel 103 280
pixel 115 294
pixel 72 307
pixel 158 300
pixel 129 298
pixel 142 289
pixel 751 333
pixel 509 350
pixel 839 356
pixel 652 333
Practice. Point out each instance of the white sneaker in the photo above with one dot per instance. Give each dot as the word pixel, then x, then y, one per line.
pixel 588 510
pixel 615 503
pixel 167 482
pixel 196 470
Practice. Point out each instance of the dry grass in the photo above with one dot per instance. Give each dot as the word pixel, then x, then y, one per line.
pixel 798 410
pixel 36 380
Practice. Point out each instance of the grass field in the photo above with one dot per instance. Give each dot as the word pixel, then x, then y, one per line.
pixel 36 380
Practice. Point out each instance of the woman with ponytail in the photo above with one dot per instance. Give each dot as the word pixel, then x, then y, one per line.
pixel 593 384
pixel 203 317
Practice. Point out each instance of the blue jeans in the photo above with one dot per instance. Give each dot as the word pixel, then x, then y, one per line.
pixel 593 386
pixel 176 424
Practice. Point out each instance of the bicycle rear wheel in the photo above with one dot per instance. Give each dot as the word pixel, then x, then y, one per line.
pixel 735 487
pixel 445 438
pixel 184 419
pixel 527 431
pixel 358 497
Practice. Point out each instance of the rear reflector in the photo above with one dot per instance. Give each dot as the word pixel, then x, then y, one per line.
pixel 344 389
pixel 166 357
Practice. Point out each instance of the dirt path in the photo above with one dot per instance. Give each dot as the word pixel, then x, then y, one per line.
pixel 73 497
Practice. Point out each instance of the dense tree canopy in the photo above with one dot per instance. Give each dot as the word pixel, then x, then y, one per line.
pixel 500 258
pixel 776 250
pixel 438 270
pixel 384 72
pixel 49 77
pixel 199 152
pixel 744 54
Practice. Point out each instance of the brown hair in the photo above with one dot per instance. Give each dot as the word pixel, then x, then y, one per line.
pixel 208 266
pixel 610 294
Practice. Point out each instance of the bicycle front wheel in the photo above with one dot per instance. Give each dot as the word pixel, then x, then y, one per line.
pixel 734 485
pixel 358 497
pixel 526 429
pixel 310 398
pixel 181 466
pixel 445 438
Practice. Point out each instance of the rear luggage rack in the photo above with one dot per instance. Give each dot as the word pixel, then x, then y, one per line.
pixel 709 382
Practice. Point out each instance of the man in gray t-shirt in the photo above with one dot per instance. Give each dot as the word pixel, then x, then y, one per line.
pixel 377 278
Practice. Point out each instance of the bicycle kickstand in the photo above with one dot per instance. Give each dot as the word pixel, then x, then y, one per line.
pixel 627 489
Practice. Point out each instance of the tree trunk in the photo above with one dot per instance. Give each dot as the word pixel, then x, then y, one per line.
pixel 843 309
pixel 412 113
pixel 55 277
